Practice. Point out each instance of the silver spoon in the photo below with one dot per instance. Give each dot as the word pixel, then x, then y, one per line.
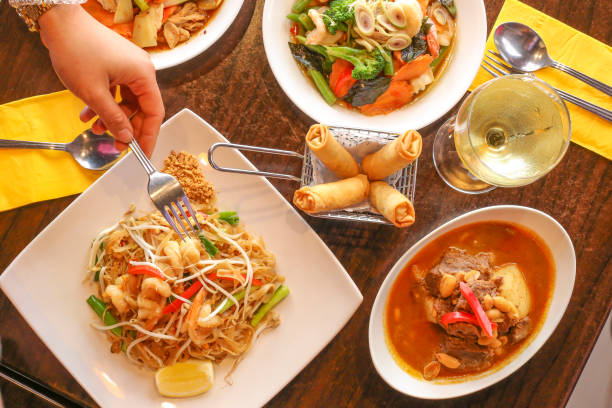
pixel 91 151
pixel 525 50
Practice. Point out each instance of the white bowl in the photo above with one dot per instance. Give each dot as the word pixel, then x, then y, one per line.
pixel 437 101
pixel 565 263
pixel 201 41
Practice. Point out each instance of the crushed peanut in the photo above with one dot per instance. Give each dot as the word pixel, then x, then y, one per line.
pixel 186 168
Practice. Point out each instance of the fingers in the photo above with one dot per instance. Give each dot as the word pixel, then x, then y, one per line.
pixel 111 116
pixel 151 106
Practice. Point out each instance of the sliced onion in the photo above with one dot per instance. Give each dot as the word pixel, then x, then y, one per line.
pixel 395 14
pixel 385 23
pixel 365 44
pixel 364 19
pixel 398 42
pixel 440 15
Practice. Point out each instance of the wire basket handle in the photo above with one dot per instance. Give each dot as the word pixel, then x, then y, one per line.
pixel 215 166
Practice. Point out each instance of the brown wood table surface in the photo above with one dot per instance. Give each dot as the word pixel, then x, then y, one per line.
pixel 232 87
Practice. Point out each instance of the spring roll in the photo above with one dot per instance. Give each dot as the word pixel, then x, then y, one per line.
pixel 393 156
pixel 332 196
pixel 333 155
pixel 392 204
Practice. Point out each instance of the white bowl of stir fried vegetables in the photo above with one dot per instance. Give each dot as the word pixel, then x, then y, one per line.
pixel 381 64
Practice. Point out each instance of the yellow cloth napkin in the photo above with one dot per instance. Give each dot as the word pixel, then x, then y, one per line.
pixel 579 51
pixel 28 176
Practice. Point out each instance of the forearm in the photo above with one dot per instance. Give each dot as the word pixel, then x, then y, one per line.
pixel 61 22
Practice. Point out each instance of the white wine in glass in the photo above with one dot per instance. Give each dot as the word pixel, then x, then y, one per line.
pixel 509 132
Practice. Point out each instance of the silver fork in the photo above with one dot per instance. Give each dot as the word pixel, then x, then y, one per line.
pixel 168 196
pixel 498 68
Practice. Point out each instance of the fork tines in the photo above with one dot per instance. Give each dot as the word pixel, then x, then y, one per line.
pixel 183 231
pixel 497 65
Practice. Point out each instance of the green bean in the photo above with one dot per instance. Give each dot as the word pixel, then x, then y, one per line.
pixel 100 308
pixel 300 5
pixel 294 17
pixel 279 294
pixel 227 303
pixel 306 21
pixel 439 58
pixel 388 69
pixel 322 86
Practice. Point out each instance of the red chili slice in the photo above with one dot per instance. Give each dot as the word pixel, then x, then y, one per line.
pixel 176 303
pixel 481 316
pixel 145 270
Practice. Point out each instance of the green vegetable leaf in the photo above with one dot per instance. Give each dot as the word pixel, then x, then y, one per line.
pixel 418 45
pixel 365 92
pixel 229 217
pixel 209 246
pixel 306 57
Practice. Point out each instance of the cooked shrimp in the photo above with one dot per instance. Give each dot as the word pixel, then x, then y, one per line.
pixel 320 35
pixel 190 252
pixel 117 296
pixel 198 326
pixel 151 300
pixel 173 252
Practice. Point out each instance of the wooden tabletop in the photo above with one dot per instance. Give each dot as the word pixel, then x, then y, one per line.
pixel 232 87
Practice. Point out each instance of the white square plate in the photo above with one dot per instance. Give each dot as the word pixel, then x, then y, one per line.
pixel 45 282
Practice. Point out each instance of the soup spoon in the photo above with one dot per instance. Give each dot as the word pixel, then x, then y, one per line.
pixel 91 151
pixel 525 50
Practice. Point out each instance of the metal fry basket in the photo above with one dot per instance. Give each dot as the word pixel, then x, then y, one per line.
pixel 404 180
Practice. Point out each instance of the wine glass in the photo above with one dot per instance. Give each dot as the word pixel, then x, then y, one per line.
pixel 509 132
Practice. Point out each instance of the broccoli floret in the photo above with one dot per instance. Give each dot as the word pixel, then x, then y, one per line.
pixel 339 12
pixel 367 65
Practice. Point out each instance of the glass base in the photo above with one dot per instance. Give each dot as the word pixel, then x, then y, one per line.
pixel 449 166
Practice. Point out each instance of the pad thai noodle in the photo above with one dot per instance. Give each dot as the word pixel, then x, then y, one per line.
pixel 164 300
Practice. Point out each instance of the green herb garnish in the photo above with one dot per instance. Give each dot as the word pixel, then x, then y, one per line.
pixel 209 246
pixel 230 217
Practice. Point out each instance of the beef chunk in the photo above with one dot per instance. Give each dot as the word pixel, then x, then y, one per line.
pixel 432 281
pixel 464 330
pixel 456 260
pixel 520 330
pixel 471 355
pixel 480 288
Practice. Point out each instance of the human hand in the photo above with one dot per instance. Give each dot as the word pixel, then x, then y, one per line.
pixel 92 60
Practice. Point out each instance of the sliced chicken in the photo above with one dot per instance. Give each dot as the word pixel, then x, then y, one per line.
pixel 189 13
pixel 174 34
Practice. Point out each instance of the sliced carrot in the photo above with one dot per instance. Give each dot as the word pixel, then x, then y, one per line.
pixel 340 79
pixel 397 55
pixel 423 4
pixel 124 29
pixel 414 68
pixel 95 9
pixel 168 11
pixel 397 95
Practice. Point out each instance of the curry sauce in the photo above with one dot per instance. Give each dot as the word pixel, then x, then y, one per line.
pixel 414 340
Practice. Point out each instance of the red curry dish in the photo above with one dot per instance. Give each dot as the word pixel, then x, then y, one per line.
pixel 469 300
